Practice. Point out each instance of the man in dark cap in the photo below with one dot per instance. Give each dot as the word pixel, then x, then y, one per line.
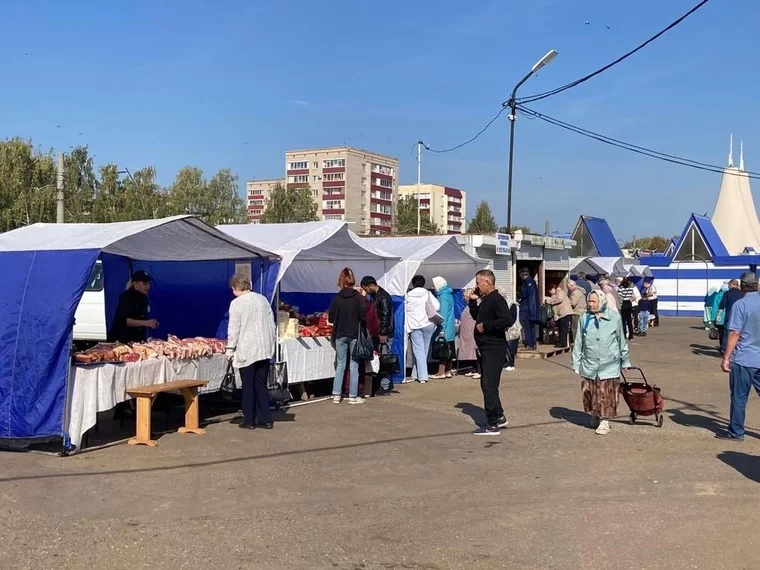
pixel 133 319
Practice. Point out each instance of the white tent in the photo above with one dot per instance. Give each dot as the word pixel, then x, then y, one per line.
pixel 735 217
pixel 429 256
pixel 612 266
pixel 313 253
pixel 179 238
pixel 637 270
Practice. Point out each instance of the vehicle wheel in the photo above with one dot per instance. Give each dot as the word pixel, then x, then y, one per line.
pixel 660 420
pixel 632 419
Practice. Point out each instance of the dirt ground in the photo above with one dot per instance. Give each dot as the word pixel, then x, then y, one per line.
pixel 401 483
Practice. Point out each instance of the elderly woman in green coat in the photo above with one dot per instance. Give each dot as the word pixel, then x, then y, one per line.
pixel 599 353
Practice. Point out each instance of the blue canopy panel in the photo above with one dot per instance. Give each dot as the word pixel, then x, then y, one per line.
pixel 602 236
pixel 188 298
pixel 35 337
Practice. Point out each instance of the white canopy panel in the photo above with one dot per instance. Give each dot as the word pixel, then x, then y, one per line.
pixel 612 266
pixel 637 270
pixel 735 217
pixel 179 238
pixel 314 253
pixel 429 256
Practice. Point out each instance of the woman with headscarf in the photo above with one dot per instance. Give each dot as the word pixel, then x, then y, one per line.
pixel 719 317
pixel 600 352
pixel 447 329
pixel 468 351
pixel 709 318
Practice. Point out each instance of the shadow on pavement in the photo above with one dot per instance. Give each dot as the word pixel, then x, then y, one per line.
pixel 477 413
pixel 572 416
pixel 703 350
pixel 747 465
pixel 711 424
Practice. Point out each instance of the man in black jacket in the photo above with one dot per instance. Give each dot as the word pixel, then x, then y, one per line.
pixel 383 304
pixel 492 319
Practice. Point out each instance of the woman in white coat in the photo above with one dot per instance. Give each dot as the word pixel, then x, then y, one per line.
pixel 251 338
pixel 421 309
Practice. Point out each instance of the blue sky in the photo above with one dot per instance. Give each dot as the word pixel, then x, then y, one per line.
pixel 235 84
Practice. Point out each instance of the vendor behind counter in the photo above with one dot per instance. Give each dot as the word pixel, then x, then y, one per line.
pixel 133 318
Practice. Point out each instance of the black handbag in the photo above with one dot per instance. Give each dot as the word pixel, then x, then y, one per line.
pixel 364 348
pixel 441 349
pixel 277 383
pixel 389 362
pixel 228 382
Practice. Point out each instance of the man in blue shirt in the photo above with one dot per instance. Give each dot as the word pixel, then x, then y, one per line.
pixel 744 345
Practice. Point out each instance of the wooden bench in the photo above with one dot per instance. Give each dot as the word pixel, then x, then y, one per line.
pixel 145 396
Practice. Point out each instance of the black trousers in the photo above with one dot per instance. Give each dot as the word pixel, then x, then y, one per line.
pixel 564 327
pixel 255 396
pixel 653 311
pixel 627 315
pixel 492 361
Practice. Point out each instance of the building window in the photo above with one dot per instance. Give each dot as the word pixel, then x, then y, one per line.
pixel 334 163
pixel 364 179
pixel 316 178
pixel 300 165
pixel 256 202
pixel 315 193
pixel 333 191
pixel 315 165
pixel 380 169
pixel 335 176
pixel 382 182
pixel 381 208
pixel 333 205
pixel 332 217
pixel 298 179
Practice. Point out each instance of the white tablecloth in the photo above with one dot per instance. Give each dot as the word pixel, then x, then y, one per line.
pixel 308 358
pixel 100 387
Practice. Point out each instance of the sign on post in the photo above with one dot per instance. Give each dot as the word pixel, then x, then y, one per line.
pixel 503 244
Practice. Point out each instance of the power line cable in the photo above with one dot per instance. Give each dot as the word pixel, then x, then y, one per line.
pixel 539 96
pixel 638 149
pixel 465 143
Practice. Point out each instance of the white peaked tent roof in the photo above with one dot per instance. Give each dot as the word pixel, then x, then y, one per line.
pixel 429 256
pixel 313 253
pixel 637 270
pixel 735 217
pixel 599 265
pixel 179 238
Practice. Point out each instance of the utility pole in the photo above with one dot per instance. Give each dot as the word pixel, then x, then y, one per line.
pixel 419 185
pixel 59 217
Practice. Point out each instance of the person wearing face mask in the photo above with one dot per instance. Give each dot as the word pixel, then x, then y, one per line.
pixel 599 353
pixel 133 321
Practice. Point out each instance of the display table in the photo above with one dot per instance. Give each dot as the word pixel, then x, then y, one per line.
pixel 99 387
pixel 308 358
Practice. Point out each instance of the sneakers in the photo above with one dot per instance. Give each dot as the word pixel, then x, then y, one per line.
pixel 510 369
pixel 422 381
pixel 356 400
pixel 336 399
pixel 728 435
pixel 488 430
pixel 502 422
pixel 470 374
pixel 475 376
pixel 604 428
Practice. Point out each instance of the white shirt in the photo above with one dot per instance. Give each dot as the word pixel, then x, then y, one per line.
pixel 251 333
pixel 415 310
pixel 652 291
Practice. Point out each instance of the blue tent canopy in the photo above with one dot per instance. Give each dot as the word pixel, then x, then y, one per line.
pixel 46 268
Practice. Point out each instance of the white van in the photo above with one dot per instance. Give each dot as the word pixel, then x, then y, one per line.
pixel 90 317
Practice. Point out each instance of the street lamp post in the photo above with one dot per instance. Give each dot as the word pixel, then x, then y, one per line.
pixel 512 104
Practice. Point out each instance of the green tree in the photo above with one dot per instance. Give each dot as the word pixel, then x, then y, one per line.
pixel 79 185
pixel 288 204
pixel 513 229
pixel 654 243
pixel 216 201
pixel 483 221
pixel 27 185
pixel 405 222
pixel 109 203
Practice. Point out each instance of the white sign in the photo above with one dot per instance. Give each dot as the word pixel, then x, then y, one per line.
pixel 503 246
pixel 243 268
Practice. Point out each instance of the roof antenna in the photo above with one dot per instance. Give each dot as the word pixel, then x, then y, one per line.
pixel 731 151
pixel 741 156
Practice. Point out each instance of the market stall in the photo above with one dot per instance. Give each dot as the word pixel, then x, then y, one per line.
pixel 313 254
pixel 41 394
pixel 429 256
pixel 612 266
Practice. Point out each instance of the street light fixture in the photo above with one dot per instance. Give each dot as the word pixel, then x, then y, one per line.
pixel 512 104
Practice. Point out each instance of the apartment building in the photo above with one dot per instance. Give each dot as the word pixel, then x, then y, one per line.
pixel 350 184
pixel 446 206
pixel 257 192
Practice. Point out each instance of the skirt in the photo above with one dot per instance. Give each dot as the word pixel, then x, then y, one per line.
pixel 601 397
